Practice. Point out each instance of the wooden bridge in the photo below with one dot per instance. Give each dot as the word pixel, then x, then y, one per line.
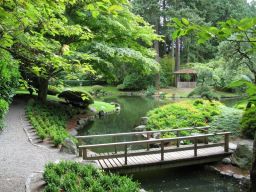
pixel 166 152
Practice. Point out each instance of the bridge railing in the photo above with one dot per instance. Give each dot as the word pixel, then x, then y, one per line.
pixel 148 134
pixel 84 149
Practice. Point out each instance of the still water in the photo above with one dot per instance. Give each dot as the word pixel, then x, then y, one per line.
pixel 191 179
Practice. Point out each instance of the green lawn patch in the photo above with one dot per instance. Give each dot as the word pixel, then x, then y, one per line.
pixel 75 177
pixel 50 119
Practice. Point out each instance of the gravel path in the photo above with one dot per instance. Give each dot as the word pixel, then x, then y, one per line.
pixel 18 157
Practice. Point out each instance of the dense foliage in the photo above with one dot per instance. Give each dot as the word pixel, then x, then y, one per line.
pixel 77 98
pixel 75 177
pixel 228 120
pixel 50 120
pixel 9 76
pixel 3 110
pixel 248 123
pixel 55 38
pixel 183 114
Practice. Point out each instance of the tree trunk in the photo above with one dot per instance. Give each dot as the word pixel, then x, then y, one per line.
pixel 253 170
pixel 43 89
pixel 177 59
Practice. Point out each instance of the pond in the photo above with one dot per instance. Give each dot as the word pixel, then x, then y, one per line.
pixel 192 179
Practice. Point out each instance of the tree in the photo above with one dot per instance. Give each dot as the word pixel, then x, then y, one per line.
pixel 46 39
pixel 242 34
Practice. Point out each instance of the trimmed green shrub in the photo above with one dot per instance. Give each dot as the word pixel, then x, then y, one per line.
pixel 248 123
pixel 98 90
pixel 77 98
pixel 50 120
pixel 74 177
pixel 205 92
pixel 183 114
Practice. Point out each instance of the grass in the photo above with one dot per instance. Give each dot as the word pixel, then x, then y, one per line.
pixel 183 92
pixel 102 106
pixel 74 177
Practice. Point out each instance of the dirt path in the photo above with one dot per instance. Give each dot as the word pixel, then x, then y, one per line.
pixel 18 157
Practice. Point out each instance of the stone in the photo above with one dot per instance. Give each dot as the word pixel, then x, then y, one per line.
pixel 73 132
pixel 156 135
pixel 226 160
pixel 237 176
pixel 140 128
pixel 154 145
pixel 142 190
pixel 144 120
pixel 69 146
pixel 242 156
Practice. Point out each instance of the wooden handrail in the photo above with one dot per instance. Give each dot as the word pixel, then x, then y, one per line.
pixel 205 128
pixel 153 140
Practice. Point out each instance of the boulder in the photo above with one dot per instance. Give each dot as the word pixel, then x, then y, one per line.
pixel 144 120
pixel 69 146
pixel 154 145
pixel 73 132
pixel 226 160
pixel 140 128
pixel 242 156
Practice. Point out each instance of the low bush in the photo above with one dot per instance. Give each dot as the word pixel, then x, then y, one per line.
pixel 248 123
pixel 3 109
pixel 151 90
pixel 74 177
pixel 98 90
pixel 135 82
pixel 183 114
pixel 77 98
pixel 228 120
pixel 50 120
pixel 204 92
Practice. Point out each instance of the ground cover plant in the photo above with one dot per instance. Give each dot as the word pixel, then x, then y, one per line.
pixel 50 120
pixel 194 113
pixel 102 106
pixel 74 177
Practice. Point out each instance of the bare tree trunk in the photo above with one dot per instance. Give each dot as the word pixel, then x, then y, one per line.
pixel 253 170
pixel 43 89
pixel 177 59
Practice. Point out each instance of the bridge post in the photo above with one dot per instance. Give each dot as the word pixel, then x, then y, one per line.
pixel 162 150
pixel 115 145
pixel 226 147
pixel 148 137
pixel 178 141
pixel 125 154
pixel 84 153
pixel 195 147
pixel 206 138
pixel 80 151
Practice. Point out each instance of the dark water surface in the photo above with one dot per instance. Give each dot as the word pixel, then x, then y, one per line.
pixel 191 179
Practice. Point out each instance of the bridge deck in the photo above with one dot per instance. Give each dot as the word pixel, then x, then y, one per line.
pixel 171 159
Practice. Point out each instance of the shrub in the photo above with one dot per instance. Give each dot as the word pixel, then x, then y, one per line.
pixel 204 91
pixel 151 90
pixel 228 120
pixel 97 90
pixel 183 114
pixel 49 120
pixel 75 177
pixel 3 109
pixel 135 82
pixel 77 98
pixel 248 123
